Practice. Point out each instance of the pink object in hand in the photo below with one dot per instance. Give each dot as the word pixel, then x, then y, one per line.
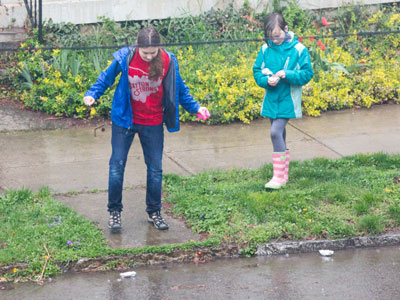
pixel 201 117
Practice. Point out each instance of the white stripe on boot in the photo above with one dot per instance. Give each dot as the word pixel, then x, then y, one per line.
pixel 286 177
pixel 279 165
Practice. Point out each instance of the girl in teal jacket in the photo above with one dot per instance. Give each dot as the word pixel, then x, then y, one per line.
pixel 282 67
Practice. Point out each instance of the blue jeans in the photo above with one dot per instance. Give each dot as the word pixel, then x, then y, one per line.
pixel 152 141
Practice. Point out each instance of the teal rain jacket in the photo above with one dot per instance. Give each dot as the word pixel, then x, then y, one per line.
pixel 284 99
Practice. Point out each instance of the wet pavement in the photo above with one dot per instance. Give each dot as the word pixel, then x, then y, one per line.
pixel 136 231
pixel 372 273
pixel 66 160
pixel 76 159
pixel 73 158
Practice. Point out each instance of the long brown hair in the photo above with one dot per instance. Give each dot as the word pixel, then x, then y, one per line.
pixel 150 36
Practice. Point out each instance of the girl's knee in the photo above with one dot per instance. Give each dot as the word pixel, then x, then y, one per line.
pixel 275 134
pixel 156 170
pixel 117 167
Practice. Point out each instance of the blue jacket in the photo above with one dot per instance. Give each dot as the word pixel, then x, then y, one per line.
pixel 175 91
pixel 284 99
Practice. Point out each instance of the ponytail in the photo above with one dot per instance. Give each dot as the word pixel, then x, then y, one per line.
pixel 156 66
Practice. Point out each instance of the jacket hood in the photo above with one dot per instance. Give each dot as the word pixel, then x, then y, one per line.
pixel 289 43
pixel 121 54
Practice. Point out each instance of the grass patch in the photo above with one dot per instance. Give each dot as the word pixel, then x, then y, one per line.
pixel 324 198
pixel 371 224
pixel 29 221
pixel 394 212
pixel 352 196
pixel 32 221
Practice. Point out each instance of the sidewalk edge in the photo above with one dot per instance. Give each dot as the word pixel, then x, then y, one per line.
pixel 294 247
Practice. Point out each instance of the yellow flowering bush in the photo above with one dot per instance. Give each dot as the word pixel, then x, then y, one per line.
pixel 375 83
pixel 227 88
pixel 352 71
pixel 56 82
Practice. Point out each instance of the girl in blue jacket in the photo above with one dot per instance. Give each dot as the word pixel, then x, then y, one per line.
pixel 282 67
pixel 148 95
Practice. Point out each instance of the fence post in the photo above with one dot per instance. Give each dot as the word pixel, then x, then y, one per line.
pixel 40 23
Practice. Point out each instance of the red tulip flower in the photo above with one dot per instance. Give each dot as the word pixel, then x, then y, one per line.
pixel 311 38
pixel 300 39
pixel 319 43
pixel 324 21
pixel 323 47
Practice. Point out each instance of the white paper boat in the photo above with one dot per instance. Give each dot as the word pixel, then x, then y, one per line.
pixel 128 274
pixel 326 252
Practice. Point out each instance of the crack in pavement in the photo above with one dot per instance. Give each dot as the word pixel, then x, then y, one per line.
pixel 316 140
pixel 179 164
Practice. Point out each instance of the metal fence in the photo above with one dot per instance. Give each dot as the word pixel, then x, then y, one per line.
pixel 34 9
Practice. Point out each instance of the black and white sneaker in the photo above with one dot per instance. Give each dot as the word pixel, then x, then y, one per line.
pixel 114 222
pixel 158 220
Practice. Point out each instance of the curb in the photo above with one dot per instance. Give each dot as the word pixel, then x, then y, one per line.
pixel 340 244
pixel 202 255
pixel 127 261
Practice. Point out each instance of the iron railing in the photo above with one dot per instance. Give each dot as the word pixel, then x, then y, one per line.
pixel 34 9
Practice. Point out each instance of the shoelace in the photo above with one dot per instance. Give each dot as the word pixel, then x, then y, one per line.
pixel 158 219
pixel 115 217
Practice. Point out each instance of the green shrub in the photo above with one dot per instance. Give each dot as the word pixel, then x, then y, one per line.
pixel 350 72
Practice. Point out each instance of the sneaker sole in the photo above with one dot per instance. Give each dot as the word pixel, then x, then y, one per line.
pixel 115 229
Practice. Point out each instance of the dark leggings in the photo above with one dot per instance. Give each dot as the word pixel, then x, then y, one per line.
pixel 278 134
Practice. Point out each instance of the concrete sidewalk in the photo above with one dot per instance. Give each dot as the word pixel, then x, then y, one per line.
pixel 76 160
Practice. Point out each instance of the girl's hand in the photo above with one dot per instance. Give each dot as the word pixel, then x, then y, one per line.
pixel 273 80
pixel 267 72
pixel 281 74
pixel 88 100
pixel 203 113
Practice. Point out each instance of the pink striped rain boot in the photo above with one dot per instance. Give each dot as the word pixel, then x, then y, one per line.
pixel 286 176
pixel 279 164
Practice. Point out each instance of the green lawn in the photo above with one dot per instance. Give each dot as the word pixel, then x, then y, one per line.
pixel 324 198
pixel 34 225
pixel 30 222
pixel 347 197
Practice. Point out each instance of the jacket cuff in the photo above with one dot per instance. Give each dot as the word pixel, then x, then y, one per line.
pixel 91 94
pixel 196 108
pixel 290 74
